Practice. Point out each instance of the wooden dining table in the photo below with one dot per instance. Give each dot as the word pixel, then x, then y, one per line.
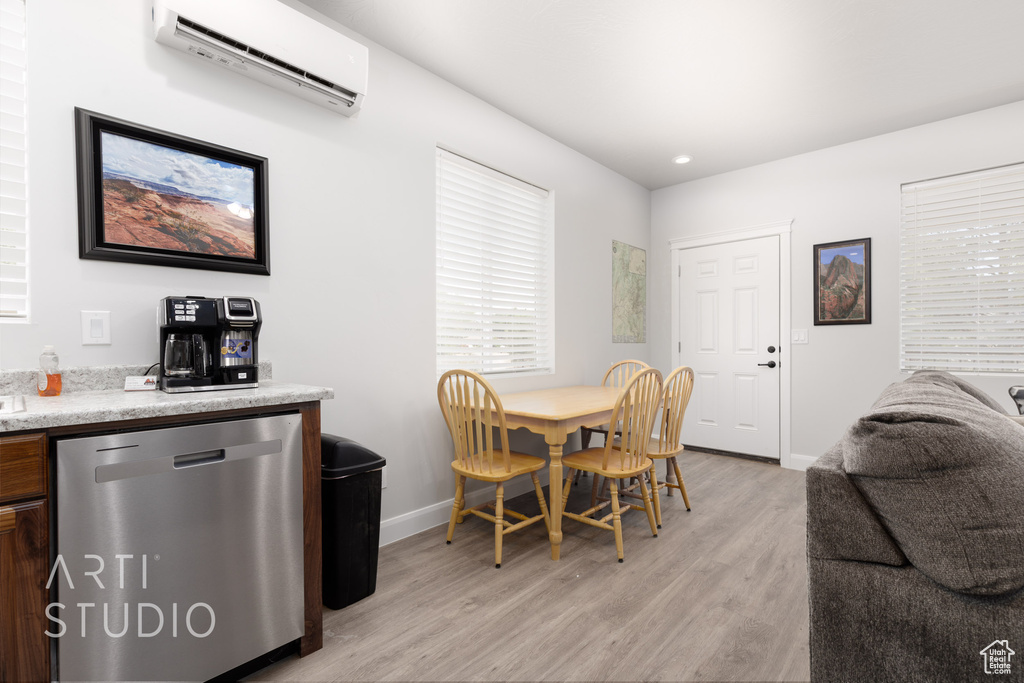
pixel 555 414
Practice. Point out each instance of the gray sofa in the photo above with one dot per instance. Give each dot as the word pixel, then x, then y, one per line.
pixel 915 540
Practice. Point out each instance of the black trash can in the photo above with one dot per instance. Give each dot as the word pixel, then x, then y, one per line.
pixel 350 490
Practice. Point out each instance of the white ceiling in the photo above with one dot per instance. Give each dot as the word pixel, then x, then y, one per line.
pixel 734 83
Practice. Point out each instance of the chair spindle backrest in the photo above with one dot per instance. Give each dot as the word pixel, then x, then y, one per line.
pixel 622 372
pixel 678 387
pixel 635 410
pixel 472 411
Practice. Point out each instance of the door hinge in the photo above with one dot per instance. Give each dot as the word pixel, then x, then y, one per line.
pixel 679 346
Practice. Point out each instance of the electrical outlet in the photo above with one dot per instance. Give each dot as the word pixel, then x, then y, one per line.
pixel 95 327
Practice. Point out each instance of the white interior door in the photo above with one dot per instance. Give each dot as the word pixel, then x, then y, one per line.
pixel 729 333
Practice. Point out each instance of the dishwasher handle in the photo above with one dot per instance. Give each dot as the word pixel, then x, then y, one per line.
pixel 196 459
pixel 146 466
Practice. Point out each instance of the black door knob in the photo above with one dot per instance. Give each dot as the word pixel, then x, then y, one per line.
pixel 769 364
pixel 771 349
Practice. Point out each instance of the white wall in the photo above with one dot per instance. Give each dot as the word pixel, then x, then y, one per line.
pixel 844 192
pixel 350 303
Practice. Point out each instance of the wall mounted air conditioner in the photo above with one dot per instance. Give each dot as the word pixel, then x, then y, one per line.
pixel 270 42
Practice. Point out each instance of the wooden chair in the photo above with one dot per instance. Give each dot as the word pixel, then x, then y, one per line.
pixel 678 387
pixel 635 412
pixel 472 411
pixel 617 376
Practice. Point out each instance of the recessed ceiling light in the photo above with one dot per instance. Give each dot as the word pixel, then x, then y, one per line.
pixel 682 159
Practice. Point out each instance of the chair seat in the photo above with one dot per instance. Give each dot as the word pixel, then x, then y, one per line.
pixel 591 459
pixel 654 453
pixel 521 464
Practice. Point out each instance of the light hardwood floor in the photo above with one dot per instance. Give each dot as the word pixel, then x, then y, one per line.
pixel 720 595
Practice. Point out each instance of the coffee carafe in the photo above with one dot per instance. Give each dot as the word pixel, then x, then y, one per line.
pixel 185 355
pixel 209 343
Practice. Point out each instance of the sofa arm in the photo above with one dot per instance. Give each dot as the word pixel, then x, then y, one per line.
pixel 872 622
pixel 840 523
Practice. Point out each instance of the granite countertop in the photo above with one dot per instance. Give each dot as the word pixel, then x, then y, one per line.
pixel 113 404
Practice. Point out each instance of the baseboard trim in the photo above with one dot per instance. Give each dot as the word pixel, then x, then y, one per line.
pixel 800 462
pixel 411 523
pixel 731 454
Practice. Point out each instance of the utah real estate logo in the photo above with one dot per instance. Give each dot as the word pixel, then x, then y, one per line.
pixel 997 657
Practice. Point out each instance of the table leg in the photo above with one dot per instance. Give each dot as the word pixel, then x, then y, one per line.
pixel 555 498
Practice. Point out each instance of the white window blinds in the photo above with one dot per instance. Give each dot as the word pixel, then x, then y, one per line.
pixel 962 273
pixel 494 271
pixel 13 185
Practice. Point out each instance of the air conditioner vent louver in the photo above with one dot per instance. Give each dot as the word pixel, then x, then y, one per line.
pixel 263 56
pixel 219 37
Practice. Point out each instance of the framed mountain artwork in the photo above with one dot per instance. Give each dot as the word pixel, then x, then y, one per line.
pixel 842 283
pixel 153 197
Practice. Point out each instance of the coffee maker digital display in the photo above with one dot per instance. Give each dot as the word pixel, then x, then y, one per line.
pixel 208 344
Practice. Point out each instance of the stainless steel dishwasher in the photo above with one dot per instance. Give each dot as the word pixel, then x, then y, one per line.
pixel 179 550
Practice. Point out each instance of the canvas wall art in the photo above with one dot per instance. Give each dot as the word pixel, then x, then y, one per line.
pixel 629 294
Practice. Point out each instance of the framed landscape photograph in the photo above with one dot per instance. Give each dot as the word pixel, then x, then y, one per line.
pixel 842 283
pixel 149 196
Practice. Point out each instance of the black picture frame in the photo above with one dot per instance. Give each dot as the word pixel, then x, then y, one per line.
pixel 152 197
pixel 842 282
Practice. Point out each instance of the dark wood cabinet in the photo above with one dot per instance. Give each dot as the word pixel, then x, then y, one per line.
pixel 24 554
pixel 22 467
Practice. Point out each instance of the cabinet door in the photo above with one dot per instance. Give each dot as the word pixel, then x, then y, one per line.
pixel 22 467
pixel 24 647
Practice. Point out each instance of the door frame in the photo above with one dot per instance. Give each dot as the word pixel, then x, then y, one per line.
pixel 783 230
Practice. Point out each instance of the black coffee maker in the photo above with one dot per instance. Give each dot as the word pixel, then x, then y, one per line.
pixel 208 344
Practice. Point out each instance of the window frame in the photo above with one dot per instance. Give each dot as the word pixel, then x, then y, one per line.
pixel 961 273
pixel 496 249
pixel 14 223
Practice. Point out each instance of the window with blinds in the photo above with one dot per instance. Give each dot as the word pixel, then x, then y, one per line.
pixel 13 185
pixel 962 273
pixel 495 243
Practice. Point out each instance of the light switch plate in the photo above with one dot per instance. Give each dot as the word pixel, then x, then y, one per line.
pixel 95 327
pixel 800 336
